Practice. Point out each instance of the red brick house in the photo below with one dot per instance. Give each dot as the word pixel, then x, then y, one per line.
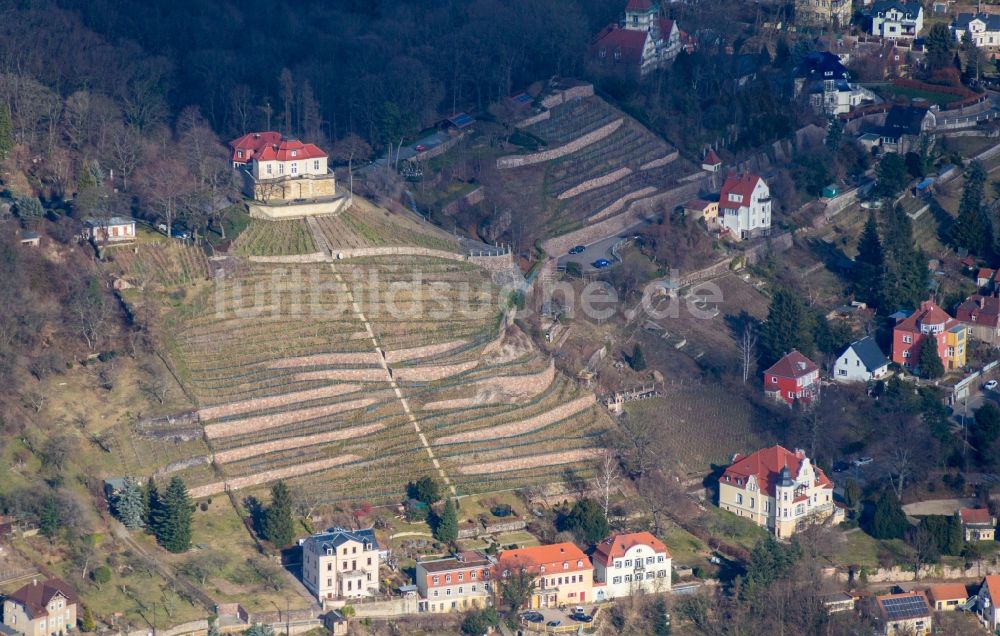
pixel 929 323
pixel 793 377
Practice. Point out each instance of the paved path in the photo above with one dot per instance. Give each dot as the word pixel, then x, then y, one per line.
pixel 602 248
pixel 392 381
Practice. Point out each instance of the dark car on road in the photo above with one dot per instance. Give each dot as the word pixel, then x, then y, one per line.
pixel 577 250
pixel 601 263
pixel 533 617
pixel 841 467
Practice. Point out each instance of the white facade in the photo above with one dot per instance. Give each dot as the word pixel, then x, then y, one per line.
pixel 741 214
pixel 641 567
pixel 341 564
pixel 292 168
pixel 894 20
pixel 850 368
pixel 983 29
pixel 986 606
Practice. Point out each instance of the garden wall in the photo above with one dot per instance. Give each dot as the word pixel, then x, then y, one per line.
pixel 596 182
pixel 516 161
pixel 563 96
pixel 297 210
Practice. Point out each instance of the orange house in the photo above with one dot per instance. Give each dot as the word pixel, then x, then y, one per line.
pixel 563 573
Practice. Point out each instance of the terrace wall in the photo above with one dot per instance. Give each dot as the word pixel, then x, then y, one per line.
pixel 596 182
pixel 297 210
pixel 563 96
pixel 516 161
pixel 534 119
pixel 656 163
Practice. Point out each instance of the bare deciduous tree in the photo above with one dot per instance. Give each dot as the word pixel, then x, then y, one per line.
pixel 607 475
pixel 747 347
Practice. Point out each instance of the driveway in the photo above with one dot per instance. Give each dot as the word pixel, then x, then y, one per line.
pixel 938 506
pixel 410 150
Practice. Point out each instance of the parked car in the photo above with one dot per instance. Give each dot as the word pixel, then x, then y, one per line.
pixel 555 623
pixel 532 617
pixel 578 610
pixel 991 385
pixel 179 233
pixel 420 148
pixel 577 250
pixel 583 618
pixel 841 467
pixel 863 461
pixel 162 227
pixel 601 263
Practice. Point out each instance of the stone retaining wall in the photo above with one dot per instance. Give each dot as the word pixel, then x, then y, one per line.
pixel 260 404
pixel 252 450
pixel 597 182
pixel 619 204
pixel 270 475
pixel 314 257
pixel 297 210
pixel 433 373
pixel 523 386
pixel 471 198
pixel 656 163
pixel 516 161
pixel 978 570
pixel 534 119
pixel 616 224
pixel 426 351
pixel 467 466
pixel 437 150
pixel 262 422
pixel 324 359
pixel 565 95
pixel 561 412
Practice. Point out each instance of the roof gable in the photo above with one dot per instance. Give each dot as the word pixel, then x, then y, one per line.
pixel 766 465
pixel 547 555
pixel 792 365
pixel 742 184
pixel 35 597
pixel 617 545
pixel 869 353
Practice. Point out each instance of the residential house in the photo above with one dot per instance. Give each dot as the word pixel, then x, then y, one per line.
pixel 702 209
pixel 456 583
pixel 984 277
pixel 111 230
pixel 903 127
pixel 47 608
pixel 31 239
pixel 982 28
pixel 929 324
pixel 947 597
pixel 817 13
pixel 977 524
pixel 276 168
pixel 711 162
pixel 980 313
pixel 644 42
pixel 341 564
pixel 894 19
pixel 862 361
pixel 987 601
pixel 837 602
pixel 778 489
pixel 793 377
pixel 745 206
pixel 827 82
pixel 907 613
pixel 624 563
pixel 563 573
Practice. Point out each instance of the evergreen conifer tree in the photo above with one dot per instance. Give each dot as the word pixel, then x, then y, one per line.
pixel 48 518
pixel 446 528
pixel 279 527
pixel 870 263
pixel 129 506
pixel 638 360
pixel 889 520
pixel 150 503
pixel 973 228
pixel 173 517
pixel 789 325
pixel 930 362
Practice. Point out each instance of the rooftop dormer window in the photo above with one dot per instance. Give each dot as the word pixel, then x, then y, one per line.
pixel 295 153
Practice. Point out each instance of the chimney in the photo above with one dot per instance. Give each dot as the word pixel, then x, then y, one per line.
pixel 34 581
pixel 256 135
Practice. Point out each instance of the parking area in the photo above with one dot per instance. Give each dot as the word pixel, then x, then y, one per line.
pixel 552 620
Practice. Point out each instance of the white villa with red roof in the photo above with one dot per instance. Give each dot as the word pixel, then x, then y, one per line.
pixel 644 42
pixel 792 378
pixel 625 563
pixel 745 206
pixel 276 168
pixel 778 489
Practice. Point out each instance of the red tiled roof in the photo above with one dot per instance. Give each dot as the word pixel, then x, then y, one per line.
pixel 666 26
pixel 980 310
pixel 617 545
pixel 975 515
pixel 630 43
pixel 547 555
pixel 792 365
pixel 741 183
pixel 985 272
pixel 35 596
pixel 270 146
pixel 928 314
pixel 697 204
pixel 766 464
pixel 992 583
pixel 947 592
pixel 712 159
pixel 639 5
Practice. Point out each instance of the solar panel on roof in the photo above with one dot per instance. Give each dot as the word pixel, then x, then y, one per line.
pixel 522 98
pixel 461 120
pixel 904 607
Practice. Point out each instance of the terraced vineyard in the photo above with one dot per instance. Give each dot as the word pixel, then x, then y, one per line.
pixel 158 262
pixel 579 117
pixel 274 238
pixel 364 225
pixel 358 376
